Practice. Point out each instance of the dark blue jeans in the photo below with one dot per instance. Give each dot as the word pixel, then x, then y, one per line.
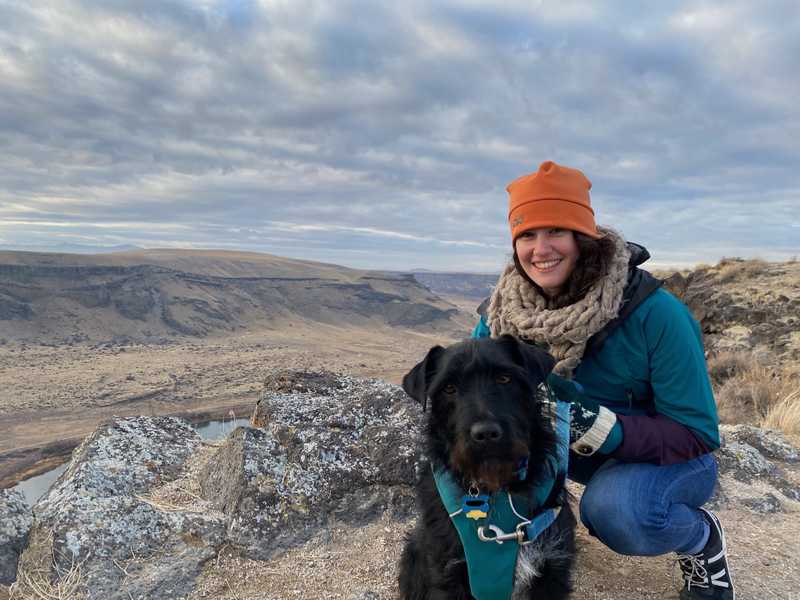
pixel 642 509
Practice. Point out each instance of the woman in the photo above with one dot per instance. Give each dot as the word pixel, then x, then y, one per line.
pixel 630 360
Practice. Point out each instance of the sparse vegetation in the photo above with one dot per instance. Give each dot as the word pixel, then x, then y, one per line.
pixel 35 581
pixel 785 415
pixel 725 365
pixel 732 269
pixel 750 393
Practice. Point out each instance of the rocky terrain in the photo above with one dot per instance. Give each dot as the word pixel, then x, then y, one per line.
pixel 322 487
pixel 751 306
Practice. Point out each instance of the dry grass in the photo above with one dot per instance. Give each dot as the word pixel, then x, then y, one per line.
pixel 732 269
pixel 785 415
pixel 39 576
pixel 724 365
pixel 754 394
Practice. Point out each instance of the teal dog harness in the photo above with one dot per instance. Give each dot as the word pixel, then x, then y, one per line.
pixel 492 528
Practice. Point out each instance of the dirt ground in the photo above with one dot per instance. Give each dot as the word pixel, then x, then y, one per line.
pixel 361 564
pixel 47 394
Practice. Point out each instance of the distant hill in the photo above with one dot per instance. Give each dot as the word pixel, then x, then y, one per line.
pixel 150 295
pixel 475 286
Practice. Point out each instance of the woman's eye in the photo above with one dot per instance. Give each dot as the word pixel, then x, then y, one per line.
pixel 503 379
pixel 449 389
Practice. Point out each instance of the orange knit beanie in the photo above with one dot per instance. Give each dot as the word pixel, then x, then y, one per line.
pixel 554 196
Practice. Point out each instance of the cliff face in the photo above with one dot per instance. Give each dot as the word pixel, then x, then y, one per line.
pixel 475 286
pixel 147 297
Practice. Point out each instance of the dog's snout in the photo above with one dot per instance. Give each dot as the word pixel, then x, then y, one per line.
pixel 484 432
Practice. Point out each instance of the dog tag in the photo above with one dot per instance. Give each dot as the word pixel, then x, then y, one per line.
pixel 476 507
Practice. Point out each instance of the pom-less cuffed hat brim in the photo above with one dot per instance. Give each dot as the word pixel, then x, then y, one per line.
pixel 552 213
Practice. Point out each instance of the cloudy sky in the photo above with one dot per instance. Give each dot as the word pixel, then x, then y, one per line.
pixel 382 134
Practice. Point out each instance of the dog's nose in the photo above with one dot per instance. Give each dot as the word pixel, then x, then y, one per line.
pixel 484 432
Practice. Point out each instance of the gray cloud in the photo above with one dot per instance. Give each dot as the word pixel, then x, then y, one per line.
pixel 383 136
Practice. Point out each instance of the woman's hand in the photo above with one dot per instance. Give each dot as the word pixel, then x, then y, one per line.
pixel 590 423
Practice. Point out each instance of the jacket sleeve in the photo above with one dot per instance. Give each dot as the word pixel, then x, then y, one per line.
pixel 685 424
pixel 658 440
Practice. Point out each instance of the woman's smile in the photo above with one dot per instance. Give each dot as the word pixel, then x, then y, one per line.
pixel 547 265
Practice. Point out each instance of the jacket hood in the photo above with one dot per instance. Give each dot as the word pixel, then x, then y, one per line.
pixel 639 254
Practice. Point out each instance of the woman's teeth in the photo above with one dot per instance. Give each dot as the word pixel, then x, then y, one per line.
pixel 546 264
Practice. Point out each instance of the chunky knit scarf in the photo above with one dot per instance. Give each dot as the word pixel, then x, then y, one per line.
pixel 516 307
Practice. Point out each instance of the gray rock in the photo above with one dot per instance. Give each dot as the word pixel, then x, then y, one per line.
pixel 750 472
pixel 95 514
pixel 15 525
pixel 744 462
pixel 766 504
pixel 772 444
pixel 347 452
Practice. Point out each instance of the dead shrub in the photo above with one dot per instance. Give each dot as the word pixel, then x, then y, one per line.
pixel 724 365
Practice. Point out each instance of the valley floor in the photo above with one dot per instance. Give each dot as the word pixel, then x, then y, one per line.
pixel 56 394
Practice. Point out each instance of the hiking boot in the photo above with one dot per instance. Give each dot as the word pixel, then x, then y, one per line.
pixel 706 575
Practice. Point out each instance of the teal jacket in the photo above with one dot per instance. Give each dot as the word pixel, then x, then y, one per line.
pixel 651 372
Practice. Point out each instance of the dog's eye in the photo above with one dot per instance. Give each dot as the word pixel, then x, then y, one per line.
pixel 450 389
pixel 503 379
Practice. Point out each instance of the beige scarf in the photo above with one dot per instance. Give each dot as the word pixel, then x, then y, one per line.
pixel 516 307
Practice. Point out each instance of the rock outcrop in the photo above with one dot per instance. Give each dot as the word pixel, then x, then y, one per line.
pixel 344 450
pixel 758 469
pixel 97 531
pixel 744 305
pixel 15 524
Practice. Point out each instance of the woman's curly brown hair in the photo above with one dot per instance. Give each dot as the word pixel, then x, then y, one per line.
pixel 594 259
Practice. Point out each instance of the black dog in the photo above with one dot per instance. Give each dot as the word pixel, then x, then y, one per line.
pixel 487 417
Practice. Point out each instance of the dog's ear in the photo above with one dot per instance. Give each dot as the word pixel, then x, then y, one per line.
pixel 536 361
pixel 417 380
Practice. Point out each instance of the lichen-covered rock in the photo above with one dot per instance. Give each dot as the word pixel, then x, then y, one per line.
pixel 770 443
pixel 15 524
pixel 97 514
pixel 757 469
pixel 346 450
pixel 744 462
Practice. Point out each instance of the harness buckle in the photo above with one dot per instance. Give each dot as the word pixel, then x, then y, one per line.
pixel 522 533
pixel 501 536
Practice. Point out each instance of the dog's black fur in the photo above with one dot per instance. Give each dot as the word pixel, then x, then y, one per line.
pixel 483 419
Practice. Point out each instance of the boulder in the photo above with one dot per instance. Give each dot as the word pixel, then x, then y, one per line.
pixel 344 450
pixel 15 524
pixel 769 442
pixel 96 532
pixel 758 469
